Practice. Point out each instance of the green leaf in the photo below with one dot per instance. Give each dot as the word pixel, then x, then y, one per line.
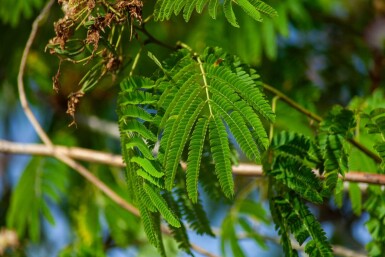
pixel 194 214
pixel 229 13
pixel 42 180
pixel 253 209
pixel 263 7
pixel 152 228
pixel 213 5
pixel 137 142
pixel 194 158
pixel 229 236
pixel 148 166
pixel 250 9
pixel 179 139
pixel 221 155
pixel 161 205
pixel 252 233
pixel 297 177
pixel 165 8
pixel 355 198
pixel 179 234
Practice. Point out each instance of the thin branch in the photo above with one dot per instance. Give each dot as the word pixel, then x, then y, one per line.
pixel 98 183
pixel 72 152
pixel 152 39
pixel 49 147
pixel 116 160
pixel 20 83
pixel 94 123
pixel 317 118
pixel 165 230
pixel 292 103
pixel 202 251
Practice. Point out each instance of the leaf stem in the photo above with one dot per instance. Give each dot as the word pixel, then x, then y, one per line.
pixel 273 108
pixel 136 60
pixel 205 84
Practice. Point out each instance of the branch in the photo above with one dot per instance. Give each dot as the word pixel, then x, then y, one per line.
pixel 20 83
pixel 317 118
pixel 202 251
pixel 152 39
pixel 49 148
pixel 116 160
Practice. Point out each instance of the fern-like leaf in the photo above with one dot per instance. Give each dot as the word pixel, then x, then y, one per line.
pixel 221 155
pixel 181 133
pixel 194 214
pixel 243 85
pixel 192 97
pixel 152 228
pixel 229 12
pixel 200 5
pixel 263 7
pixel 213 5
pixel 194 158
pixel 138 143
pixel 302 223
pixel 240 131
pixel 250 9
pixel 232 101
pixel 297 177
pixel 375 205
pixel 336 160
pixel 179 234
pixel 153 180
pixel 165 8
pixel 42 180
pixel 161 205
pixel 138 127
pixel 148 166
pixel 376 125
pixel 282 227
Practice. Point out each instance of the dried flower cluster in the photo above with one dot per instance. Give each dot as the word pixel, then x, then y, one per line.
pixel 72 102
pixel 8 239
pixel 91 31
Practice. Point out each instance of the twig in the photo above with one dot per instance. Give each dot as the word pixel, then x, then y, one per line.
pixel 202 251
pixel 165 230
pixel 49 147
pixel 116 160
pixel 94 123
pixel 152 39
pixel 20 84
pixel 72 152
pixel 317 118
pixel 292 103
pixel 98 183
